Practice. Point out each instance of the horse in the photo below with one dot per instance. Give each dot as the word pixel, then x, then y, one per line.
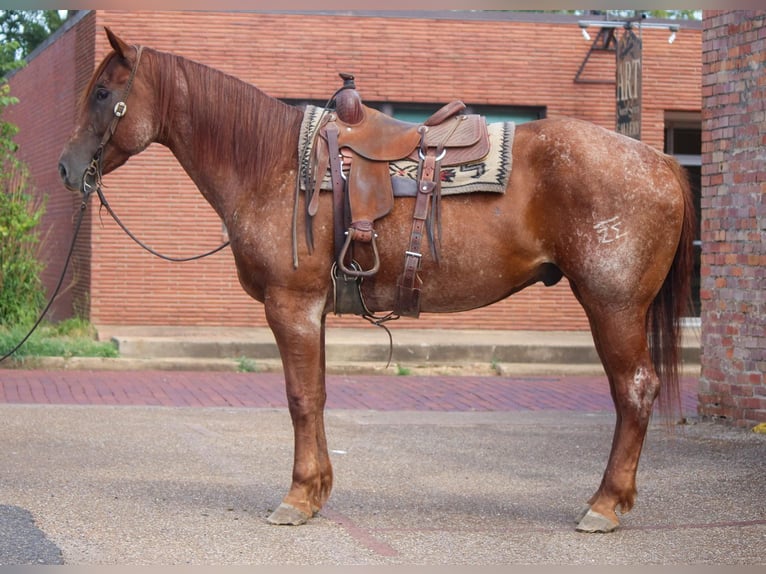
pixel 611 214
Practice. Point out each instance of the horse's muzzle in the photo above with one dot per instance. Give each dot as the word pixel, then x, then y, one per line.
pixel 72 168
pixel 64 174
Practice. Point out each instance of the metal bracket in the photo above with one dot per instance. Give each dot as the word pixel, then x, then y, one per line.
pixel 605 41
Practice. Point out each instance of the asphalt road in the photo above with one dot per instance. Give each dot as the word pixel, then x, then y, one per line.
pixel 418 480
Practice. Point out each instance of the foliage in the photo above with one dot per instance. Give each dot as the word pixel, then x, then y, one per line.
pixel 403 371
pixel 21 291
pixel 7 130
pixel 620 14
pixel 676 14
pixel 8 61
pixel 70 338
pixel 21 31
pixel 245 365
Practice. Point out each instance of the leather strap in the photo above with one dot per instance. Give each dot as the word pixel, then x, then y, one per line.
pixel 338 187
pixel 407 301
pixel 121 108
pixel 91 179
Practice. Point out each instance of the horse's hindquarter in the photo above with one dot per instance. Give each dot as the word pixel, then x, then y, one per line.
pixel 610 206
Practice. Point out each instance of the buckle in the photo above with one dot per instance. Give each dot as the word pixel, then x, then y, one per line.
pixel 120 109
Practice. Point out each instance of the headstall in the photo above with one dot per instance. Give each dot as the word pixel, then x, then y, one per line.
pixel 91 179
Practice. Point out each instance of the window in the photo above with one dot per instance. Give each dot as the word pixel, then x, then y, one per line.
pixel 420 112
pixel 417 112
pixel 683 140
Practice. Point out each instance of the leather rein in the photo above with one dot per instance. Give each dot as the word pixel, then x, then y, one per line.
pixel 91 179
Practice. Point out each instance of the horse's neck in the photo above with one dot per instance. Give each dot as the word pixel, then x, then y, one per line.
pixel 229 137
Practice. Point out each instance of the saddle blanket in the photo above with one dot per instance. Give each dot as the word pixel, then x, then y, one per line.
pixel 491 174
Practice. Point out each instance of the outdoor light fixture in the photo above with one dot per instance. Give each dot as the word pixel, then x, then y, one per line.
pixel 584 24
pixel 673 30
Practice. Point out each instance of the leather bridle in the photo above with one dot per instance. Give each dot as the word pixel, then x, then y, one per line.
pixel 120 109
pixel 91 179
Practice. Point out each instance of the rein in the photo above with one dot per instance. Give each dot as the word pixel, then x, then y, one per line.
pixel 118 221
pixel 91 182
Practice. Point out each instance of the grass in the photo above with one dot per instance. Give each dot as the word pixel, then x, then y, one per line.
pixel 403 371
pixel 245 365
pixel 69 338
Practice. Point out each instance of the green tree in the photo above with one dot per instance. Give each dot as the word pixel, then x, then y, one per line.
pixel 22 295
pixel 21 31
pixel 676 14
pixel 21 291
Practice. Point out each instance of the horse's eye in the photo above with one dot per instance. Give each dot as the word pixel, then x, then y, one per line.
pixel 102 94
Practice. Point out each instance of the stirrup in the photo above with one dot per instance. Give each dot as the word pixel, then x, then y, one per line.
pixel 358 272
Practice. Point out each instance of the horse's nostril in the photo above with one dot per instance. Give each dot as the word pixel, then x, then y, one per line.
pixel 63 171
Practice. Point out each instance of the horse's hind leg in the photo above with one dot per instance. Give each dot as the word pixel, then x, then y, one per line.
pixel 298 324
pixel 621 341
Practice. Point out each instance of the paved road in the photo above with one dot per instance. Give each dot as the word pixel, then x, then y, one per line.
pixel 105 468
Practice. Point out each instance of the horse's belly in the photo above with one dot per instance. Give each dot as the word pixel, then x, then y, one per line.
pixel 455 284
pixel 482 256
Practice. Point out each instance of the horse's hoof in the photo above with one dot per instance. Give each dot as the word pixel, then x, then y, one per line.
pixel 288 515
pixel 595 522
pixel 582 513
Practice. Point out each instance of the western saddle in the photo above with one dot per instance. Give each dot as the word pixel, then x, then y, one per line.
pixel 357 143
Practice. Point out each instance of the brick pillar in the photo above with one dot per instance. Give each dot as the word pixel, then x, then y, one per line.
pixel 733 290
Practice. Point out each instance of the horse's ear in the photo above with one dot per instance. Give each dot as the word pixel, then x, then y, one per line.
pixel 120 47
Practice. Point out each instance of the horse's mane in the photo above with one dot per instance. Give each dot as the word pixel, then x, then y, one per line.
pixel 229 117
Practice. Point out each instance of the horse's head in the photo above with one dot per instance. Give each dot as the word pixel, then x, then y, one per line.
pixel 116 119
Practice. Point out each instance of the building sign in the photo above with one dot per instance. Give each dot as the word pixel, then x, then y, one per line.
pixel 629 85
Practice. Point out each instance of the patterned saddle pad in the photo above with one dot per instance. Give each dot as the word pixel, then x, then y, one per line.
pixel 490 174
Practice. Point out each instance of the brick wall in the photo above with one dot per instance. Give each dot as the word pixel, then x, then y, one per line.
pixel 47 89
pixel 502 62
pixel 733 291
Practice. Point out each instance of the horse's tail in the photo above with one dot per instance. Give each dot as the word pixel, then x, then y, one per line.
pixel 671 303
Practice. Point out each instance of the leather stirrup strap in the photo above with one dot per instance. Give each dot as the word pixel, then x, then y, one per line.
pixel 407 301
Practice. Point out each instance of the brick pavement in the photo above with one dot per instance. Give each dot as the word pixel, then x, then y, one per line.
pixel 376 392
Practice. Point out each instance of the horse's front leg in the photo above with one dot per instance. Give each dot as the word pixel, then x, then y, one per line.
pixel 298 322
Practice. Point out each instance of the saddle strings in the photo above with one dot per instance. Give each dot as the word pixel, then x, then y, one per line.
pixel 309 179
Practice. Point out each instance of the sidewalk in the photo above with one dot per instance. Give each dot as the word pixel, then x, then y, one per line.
pixel 439 393
pixel 363 350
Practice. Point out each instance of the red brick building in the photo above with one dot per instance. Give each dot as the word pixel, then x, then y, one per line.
pixel 501 64
pixel 733 292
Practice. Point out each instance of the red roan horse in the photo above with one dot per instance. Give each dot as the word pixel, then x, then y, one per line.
pixel 239 146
